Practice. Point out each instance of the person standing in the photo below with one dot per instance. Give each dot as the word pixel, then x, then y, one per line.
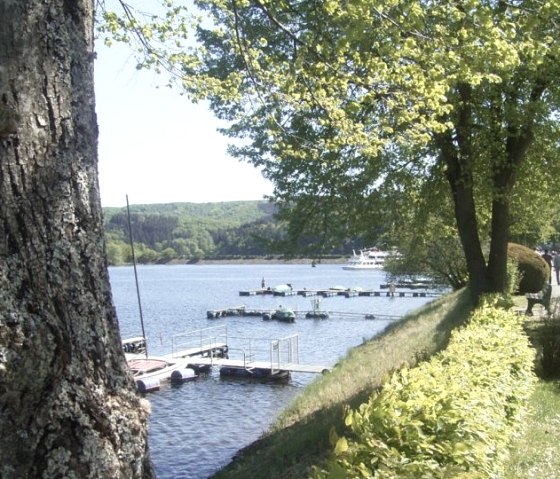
pixel 556 264
pixel 548 258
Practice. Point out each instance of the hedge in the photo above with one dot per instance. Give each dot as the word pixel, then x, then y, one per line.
pixel 452 416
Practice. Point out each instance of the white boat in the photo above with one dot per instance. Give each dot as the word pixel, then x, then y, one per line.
pixel 150 372
pixel 367 259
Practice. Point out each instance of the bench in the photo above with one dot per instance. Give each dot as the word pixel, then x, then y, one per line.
pixel 542 297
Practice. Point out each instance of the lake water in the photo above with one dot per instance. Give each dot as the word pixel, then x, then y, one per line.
pixel 196 428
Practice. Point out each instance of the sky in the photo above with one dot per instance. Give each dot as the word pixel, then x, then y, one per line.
pixel 157 147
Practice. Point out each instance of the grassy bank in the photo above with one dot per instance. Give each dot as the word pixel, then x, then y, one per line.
pixel 536 452
pixel 300 437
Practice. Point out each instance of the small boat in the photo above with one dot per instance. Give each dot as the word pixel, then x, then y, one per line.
pixel 150 372
pixel 367 259
pixel 286 315
pixel 283 290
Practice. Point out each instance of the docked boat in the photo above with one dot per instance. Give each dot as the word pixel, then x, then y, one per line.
pixel 367 259
pixel 286 315
pixel 283 290
pixel 150 372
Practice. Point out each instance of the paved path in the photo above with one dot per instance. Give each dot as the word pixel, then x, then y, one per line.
pixel 555 293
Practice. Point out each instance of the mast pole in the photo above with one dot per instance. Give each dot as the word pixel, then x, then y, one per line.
pixel 136 275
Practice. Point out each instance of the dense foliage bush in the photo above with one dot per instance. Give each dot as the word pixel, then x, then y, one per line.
pixel 450 417
pixel 532 268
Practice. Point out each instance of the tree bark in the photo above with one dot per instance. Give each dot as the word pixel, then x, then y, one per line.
pixel 68 407
pixel 456 153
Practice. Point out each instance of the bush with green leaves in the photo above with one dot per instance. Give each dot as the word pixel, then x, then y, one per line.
pixel 452 416
pixel 533 270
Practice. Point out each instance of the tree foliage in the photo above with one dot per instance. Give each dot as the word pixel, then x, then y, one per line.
pixel 360 109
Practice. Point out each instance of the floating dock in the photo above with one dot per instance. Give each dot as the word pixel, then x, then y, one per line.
pixel 242 311
pixel 348 293
pixel 209 347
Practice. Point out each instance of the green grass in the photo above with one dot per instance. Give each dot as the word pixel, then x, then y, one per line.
pixel 300 437
pixel 536 453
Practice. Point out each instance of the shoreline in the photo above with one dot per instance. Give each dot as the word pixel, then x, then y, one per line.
pixel 242 261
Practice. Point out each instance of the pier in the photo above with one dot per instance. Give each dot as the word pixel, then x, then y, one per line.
pixel 242 311
pixel 250 357
pixel 348 293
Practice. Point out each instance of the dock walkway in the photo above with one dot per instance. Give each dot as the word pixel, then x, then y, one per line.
pixel 242 311
pixel 348 293
pixel 210 347
pixel 240 363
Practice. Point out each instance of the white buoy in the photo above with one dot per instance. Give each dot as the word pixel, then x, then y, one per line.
pixel 182 375
pixel 147 385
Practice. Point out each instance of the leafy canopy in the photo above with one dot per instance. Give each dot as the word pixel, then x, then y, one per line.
pixel 368 105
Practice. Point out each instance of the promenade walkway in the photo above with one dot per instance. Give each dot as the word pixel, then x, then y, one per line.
pixel 555 290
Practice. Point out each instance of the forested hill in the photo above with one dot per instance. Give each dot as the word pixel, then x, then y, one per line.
pixel 237 211
pixel 190 231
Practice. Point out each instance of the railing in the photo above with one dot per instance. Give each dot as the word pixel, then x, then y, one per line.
pixel 284 351
pixel 200 338
pixel 278 351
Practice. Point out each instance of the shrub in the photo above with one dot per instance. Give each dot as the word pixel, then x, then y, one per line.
pixel 533 269
pixel 450 417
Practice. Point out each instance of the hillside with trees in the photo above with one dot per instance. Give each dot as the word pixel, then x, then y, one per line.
pixel 190 232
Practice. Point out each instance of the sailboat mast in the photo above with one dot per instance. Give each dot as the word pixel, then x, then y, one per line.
pixel 136 275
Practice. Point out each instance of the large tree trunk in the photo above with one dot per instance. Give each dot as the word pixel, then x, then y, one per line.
pixel 456 155
pixel 68 407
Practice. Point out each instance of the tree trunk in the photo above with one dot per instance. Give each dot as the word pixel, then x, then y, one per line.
pixel 68 407
pixel 459 177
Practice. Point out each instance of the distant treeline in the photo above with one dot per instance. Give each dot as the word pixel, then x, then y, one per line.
pixel 193 231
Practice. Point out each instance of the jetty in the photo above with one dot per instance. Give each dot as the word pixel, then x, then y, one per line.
pixel 346 292
pixel 244 357
pixel 242 311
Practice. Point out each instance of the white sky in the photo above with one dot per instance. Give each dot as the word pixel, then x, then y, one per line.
pixel 157 147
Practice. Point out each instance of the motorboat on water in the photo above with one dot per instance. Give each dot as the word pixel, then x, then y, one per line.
pixel 286 315
pixel 367 259
pixel 150 372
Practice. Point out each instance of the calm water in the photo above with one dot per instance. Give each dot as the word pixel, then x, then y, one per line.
pixel 196 428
